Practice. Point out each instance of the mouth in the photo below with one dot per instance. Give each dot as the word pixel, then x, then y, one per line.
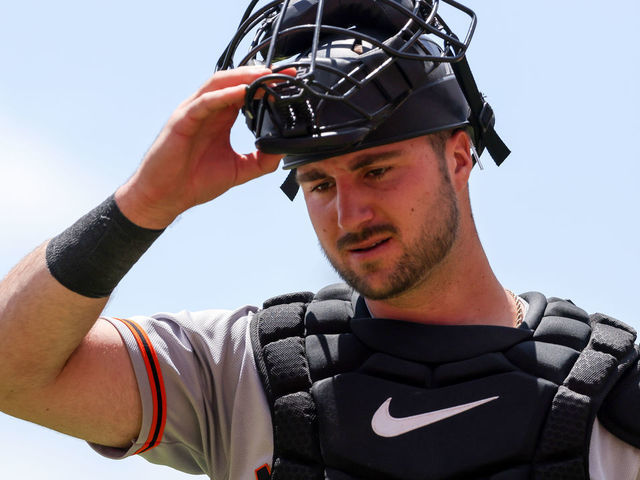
pixel 369 246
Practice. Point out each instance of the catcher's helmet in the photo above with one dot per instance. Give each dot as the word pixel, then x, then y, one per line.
pixel 368 72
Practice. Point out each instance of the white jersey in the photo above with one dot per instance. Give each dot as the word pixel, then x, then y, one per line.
pixel 205 411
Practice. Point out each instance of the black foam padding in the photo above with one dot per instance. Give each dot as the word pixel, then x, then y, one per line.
pixel 466 370
pixel 303 297
pixel 296 427
pixel 92 255
pixel 472 444
pixel 569 363
pixel 434 343
pixel 285 469
pixel 281 321
pixel 331 474
pixel 330 355
pixel 328 316
pixel 565 430
pixel 563 331
pixel 564 308
pixel 360 309
pixel 537 304
pixel 287 366
pixel 611 340
pixel 607 320
pixel 397 370
pixel 590 371
pixel 336 291
pixel 565 470
pixel 552 362
pixel 512 474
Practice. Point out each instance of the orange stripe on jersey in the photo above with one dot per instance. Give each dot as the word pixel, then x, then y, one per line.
pixel 263 473
pixel 156 384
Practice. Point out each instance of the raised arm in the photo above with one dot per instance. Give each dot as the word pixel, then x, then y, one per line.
pixel 62 369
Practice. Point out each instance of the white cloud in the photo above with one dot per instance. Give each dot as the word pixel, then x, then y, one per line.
pixel 41 190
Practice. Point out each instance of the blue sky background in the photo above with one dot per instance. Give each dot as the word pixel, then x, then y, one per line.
pixel 86 86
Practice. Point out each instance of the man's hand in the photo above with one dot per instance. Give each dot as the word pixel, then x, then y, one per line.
pixel 192 161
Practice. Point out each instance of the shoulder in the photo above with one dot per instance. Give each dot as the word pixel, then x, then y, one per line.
pixel 611 356
pixel 291 314
pixel 186 327
pixel 195 373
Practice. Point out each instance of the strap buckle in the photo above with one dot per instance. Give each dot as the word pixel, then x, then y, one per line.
pixel 487 118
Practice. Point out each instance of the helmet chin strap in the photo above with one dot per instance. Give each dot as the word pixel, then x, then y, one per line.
pixel 290 185
pixel 482 117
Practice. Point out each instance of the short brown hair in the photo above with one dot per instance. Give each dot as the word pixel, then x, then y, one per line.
pixel 439 141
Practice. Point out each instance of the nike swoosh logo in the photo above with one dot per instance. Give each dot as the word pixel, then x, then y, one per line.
pixel 385 425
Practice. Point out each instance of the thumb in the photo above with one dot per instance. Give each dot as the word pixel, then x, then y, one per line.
pixel 254 165
pixel 267 162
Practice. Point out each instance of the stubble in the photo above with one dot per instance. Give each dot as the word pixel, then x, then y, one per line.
pixel 437 236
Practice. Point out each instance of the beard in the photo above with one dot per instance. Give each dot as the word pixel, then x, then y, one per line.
pixel 435 240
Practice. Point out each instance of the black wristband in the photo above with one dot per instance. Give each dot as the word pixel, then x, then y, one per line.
pixel 92 255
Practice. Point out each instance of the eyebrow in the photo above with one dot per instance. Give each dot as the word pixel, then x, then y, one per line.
pixel 361 161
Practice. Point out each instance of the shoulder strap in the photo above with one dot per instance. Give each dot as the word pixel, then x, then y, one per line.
pixel 619 412
pixel 567 431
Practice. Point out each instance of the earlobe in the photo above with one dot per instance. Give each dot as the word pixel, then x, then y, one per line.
pixel 459 156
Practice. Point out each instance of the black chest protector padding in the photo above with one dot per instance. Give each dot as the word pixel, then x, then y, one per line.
pixel 354 397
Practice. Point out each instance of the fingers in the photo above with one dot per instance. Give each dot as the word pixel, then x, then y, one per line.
pixel 204 107
pixel 229 78
pixel 225 89
pixel 211 102
pixel 241 75
pixel 291 71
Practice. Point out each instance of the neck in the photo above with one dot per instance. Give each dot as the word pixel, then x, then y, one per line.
pixel 461 290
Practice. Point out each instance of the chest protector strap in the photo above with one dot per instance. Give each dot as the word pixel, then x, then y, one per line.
pixel 357 397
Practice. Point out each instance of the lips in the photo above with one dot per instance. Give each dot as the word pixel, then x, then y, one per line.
pixel 367 239
pixel 369 245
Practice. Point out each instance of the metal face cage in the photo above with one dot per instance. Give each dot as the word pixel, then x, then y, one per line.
pixel 341 68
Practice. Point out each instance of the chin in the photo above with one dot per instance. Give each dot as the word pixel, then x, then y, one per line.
pixel 379 290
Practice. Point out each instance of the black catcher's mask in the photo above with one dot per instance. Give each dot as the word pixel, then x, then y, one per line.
pixel 368 72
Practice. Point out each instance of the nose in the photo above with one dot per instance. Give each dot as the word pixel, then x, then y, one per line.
pixel 354 208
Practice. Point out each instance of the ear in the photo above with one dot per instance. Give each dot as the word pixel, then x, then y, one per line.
pixel 459 159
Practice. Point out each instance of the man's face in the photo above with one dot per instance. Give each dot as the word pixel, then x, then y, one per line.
pixel 385 217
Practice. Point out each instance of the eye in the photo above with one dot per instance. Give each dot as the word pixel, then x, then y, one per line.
pixel 377 172
pixel 321 187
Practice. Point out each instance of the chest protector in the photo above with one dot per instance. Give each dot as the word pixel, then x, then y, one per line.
pixel 358 397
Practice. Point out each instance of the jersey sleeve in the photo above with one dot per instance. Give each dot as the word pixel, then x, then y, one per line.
pixel 200 391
